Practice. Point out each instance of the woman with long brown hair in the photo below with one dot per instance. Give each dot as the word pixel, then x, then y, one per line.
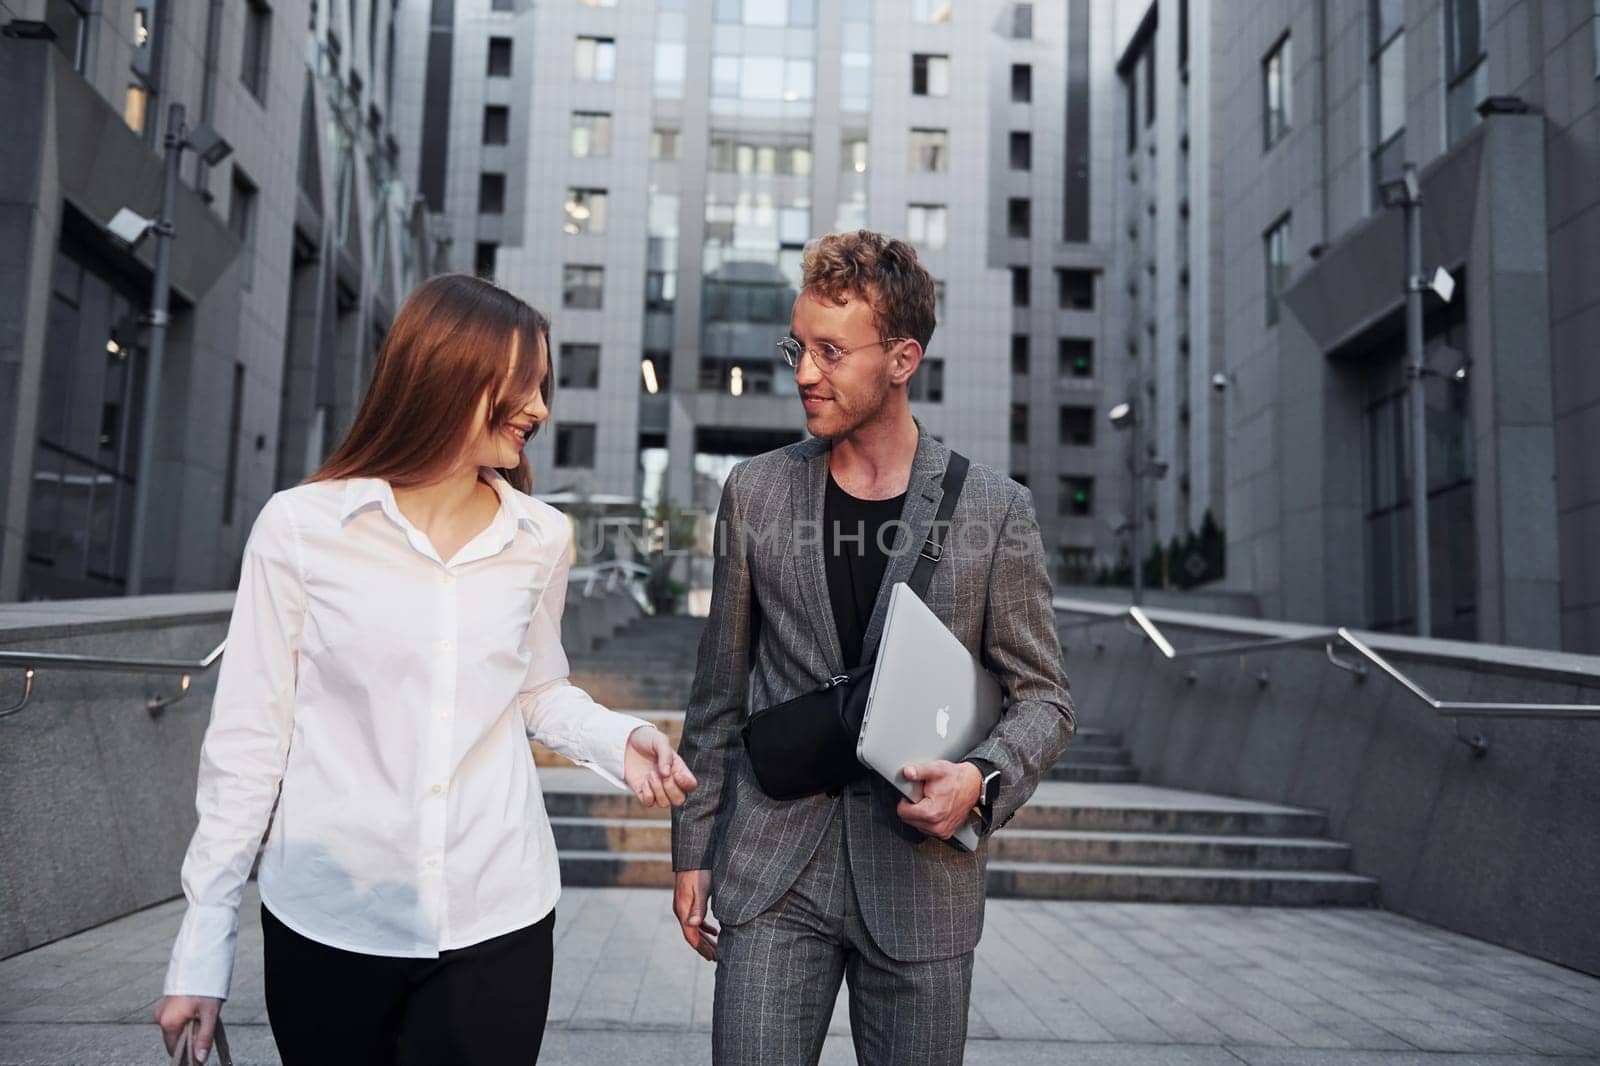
pixel 395 641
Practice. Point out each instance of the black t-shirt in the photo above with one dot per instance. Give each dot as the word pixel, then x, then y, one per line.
pixel 856 558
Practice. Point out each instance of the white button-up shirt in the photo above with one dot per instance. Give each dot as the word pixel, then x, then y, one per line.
pixel 391 694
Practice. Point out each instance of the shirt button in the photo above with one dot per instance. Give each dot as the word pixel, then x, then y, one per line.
pixel 444 645
pixel 432 863
pixel 437 789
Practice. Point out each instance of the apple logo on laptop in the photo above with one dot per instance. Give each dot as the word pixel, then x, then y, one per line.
pixel 941 721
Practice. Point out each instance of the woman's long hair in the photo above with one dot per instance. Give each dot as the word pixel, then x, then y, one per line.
pixel 449 345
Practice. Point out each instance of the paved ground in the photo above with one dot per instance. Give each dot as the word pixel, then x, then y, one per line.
pixel 1089 983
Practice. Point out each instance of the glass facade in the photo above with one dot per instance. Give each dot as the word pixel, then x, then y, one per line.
pixel 85 468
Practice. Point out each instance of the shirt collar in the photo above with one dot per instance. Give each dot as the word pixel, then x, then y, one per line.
pixel 516 510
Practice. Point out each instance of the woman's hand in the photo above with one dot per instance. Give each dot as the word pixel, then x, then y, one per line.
pixel 174 1012
pixel 654 772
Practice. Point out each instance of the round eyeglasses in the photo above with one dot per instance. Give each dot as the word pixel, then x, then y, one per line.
pixel 827 356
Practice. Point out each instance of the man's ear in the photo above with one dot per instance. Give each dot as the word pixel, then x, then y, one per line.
pixel 907 357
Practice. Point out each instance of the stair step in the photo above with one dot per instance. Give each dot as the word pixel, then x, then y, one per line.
pixel 632 835
pixel 612 835
pixel 1171 884
pixel 1148 884
pixel 1168 849
pixel 1112 774
pixel 1094 756
pixel 1090 737
pixel 604 869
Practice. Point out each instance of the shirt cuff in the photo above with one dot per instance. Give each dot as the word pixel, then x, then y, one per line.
pixel 609 742
pixel 202 955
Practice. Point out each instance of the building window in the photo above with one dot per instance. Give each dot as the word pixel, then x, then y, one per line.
pixel 582 287
pixel 242 221
pixel 254 60
pixel 1275 74
pixel 1075 289
pixel 491 193
pixel 1149 86
pixel 575 444
pixel 1466 68
pixel 1019 354
pixel 1022 22
pixel 1388 89
pixel 930 10
pixel 595 59
pixel 133 107
pixel 1019 423
pixel 1019 216
pixel 655 372
pixel 503 5
pixel 1077 497
pixel 496 124
pixel 1021 150
pixel 1076 427
pixel 584 212
pixel 591 134
pixel 69 24
pixel 578 366
pixel 659 290
pixel 1074 358
pixel 664 144
pixel 1022 83
pixel 499 57
pixel 1021 281
pixel 1130 100
pixel 483 254
pixel 930 75
pixel 928 151
pixel 1276 242
pixel 927 384
pixel 926 225
pixel 1075 187
pixel 230 476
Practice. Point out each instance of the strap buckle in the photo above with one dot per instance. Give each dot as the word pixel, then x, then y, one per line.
pixel 934 547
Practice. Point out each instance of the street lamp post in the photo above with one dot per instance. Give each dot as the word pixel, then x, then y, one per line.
pixel 213 149
pixel 1405 192
pixel 1125 415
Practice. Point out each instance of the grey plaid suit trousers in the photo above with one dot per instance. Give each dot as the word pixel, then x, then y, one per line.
pixel 779 975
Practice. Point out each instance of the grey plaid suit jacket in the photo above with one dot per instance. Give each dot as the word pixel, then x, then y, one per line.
pixel 921 898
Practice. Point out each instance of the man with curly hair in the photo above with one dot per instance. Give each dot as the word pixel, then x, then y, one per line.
pixel 858 883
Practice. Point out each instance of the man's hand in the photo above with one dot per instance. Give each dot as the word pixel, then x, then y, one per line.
pixel 949 792
pixel 692 889
pixel 174 1012
pixel 654 772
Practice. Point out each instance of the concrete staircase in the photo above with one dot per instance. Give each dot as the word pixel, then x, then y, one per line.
pixel 1090 831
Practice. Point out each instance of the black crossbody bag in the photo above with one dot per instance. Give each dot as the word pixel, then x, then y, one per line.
pixel 807 745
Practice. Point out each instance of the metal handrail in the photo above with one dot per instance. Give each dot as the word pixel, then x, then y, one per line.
pixel 31 661
pixel 1136 620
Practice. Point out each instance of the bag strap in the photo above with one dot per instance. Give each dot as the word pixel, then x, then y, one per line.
pixel 955 475
pixel 183 1054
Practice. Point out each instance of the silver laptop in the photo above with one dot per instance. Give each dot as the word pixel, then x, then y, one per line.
pixel 930 699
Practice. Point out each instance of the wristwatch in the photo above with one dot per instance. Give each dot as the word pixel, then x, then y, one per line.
pixel 990 789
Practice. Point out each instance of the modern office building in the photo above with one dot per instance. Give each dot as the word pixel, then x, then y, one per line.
pixel 1307 111
pixel 650 173
pixel 290 255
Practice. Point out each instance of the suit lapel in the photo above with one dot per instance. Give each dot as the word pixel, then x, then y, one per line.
pixel 811 575
pixel 923 492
